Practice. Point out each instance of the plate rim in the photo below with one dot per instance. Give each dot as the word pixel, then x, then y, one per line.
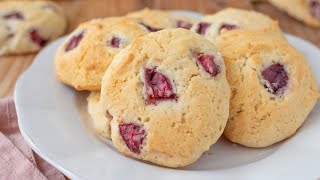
pixel 67 172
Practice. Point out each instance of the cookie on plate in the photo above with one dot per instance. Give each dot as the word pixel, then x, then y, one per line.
pixel 273 88
pixel 86 54
pixel 101 119
pixel 28 26
pixel 307 11
pixel 169 97
pixel 155 20
pixel 211 26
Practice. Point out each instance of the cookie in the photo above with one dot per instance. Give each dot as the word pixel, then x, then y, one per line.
pixel 86 54
pixel 155 20
pixel 273 88
pixel 211 26
pixel 101 120
pixel 28 26
pixel 307 11
pixel 168 95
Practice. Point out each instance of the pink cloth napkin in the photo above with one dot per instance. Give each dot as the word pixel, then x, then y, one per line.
pixel 17 160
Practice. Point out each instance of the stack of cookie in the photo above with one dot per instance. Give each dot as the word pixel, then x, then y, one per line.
pixel 165 87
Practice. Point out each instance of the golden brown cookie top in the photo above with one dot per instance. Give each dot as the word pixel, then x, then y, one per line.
pixel 262 50
pixel 211 26
pixel 86 54
pixel 155 20
pixel 171 87
pixel 273 87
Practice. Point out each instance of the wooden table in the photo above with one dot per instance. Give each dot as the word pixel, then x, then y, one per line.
pixel 81 10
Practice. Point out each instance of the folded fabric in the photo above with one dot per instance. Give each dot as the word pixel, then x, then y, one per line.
pixel 17 160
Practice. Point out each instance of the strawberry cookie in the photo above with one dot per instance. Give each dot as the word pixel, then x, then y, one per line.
pixel 168 96
pixel 307 11
pixel 273 88
pixel 86 54
pixel 28 26
pixel 211 26
pixel 155 20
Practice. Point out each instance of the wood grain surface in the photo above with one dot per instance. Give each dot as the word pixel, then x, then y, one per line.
pixel 78 11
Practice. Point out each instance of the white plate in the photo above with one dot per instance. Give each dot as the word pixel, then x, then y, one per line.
pixel 54 121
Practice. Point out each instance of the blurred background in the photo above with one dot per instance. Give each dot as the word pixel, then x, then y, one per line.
pixel 81 10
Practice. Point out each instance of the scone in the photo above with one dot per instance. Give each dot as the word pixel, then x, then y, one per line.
pixel 211 26
pixel 155 20
pixel 169 97
pixel 273 88
pixel 101 119
pixel 26 27
pixel 307 11
pixel 86 54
